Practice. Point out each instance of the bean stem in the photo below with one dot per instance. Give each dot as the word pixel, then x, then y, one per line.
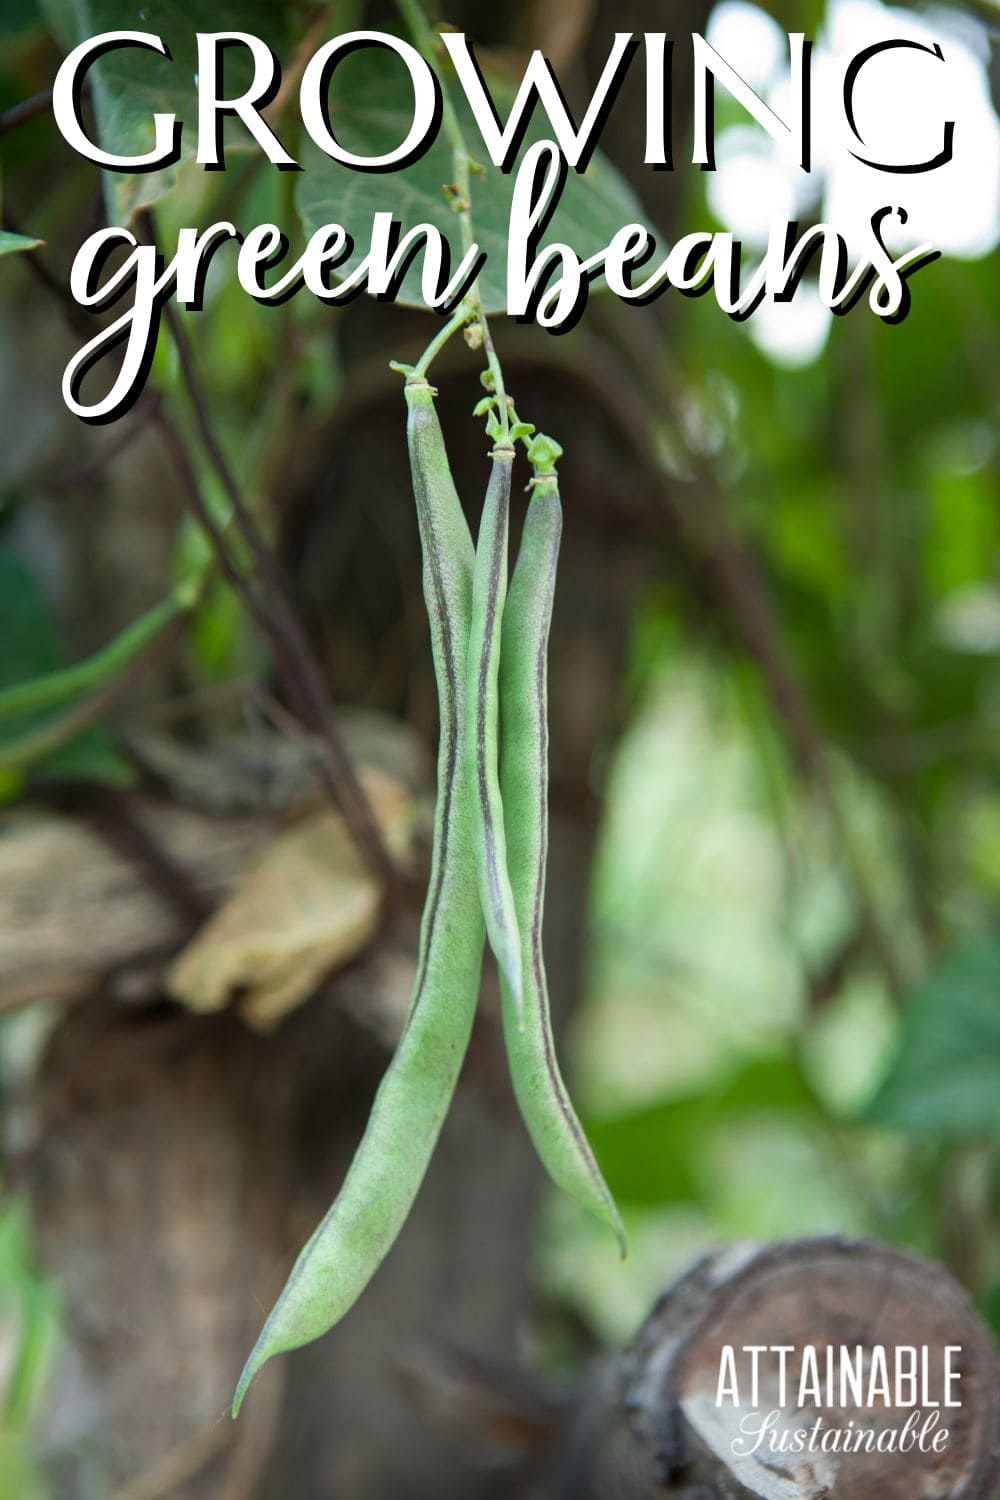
pixel 455 322
pixel 425 40
pixel 43 740
pixel 279 621
pixel 55 688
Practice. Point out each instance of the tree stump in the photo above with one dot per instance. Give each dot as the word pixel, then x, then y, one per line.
pixel 662 1422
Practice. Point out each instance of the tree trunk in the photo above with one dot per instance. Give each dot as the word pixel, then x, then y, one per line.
pixel 186 1161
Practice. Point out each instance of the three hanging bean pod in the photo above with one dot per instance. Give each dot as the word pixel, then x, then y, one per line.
pixel 487 876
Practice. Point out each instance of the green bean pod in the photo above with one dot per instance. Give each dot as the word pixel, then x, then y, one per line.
pixel 416 1090
pixel 541 1093
pixel 489 592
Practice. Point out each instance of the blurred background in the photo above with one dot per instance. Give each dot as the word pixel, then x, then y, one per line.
pixel 775 687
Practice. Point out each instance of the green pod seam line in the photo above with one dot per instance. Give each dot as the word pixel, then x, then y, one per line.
pixel 538 1084
pixel 489 592
pixel 416 1090
pixel 449 559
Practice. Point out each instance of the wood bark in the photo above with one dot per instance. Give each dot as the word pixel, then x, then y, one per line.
pixel 184 1163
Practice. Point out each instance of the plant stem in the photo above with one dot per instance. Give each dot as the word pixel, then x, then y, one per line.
pixel 457 321
pixel 425 41
pixel 45 739
pixel 25 111
pixel 128 430
pixel 88 676
pixel 309 699
pixel 276 615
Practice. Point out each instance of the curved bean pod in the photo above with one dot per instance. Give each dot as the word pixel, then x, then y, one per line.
pixel 489 591
pixel 541 1093
pixel 413 1097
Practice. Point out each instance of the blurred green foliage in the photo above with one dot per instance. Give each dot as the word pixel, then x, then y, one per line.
pixel 32 649
pixel 945 1079
pixel 28 1343
pixel 728 920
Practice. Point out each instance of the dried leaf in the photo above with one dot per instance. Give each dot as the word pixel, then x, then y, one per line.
pixel 305 908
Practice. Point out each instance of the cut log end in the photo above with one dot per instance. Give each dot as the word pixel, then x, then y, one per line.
pixel 823 1368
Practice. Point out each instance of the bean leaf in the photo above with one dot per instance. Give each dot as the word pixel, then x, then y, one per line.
pixel 32 648
pixel 131 84
pixel 649 1155
pixel 371 106
pixel 10 243
pixel 946 1076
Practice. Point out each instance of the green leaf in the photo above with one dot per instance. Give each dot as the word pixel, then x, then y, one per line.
pixel 61 20
pixel 11 243
pixel 29 1312
pixel 650 1155
pixel 18 17
pixel 371 105
pixel 92 756
pixel 28 631
pixel 646 1156
pixel 946 1077
pixel 32 650
pixel 131 84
